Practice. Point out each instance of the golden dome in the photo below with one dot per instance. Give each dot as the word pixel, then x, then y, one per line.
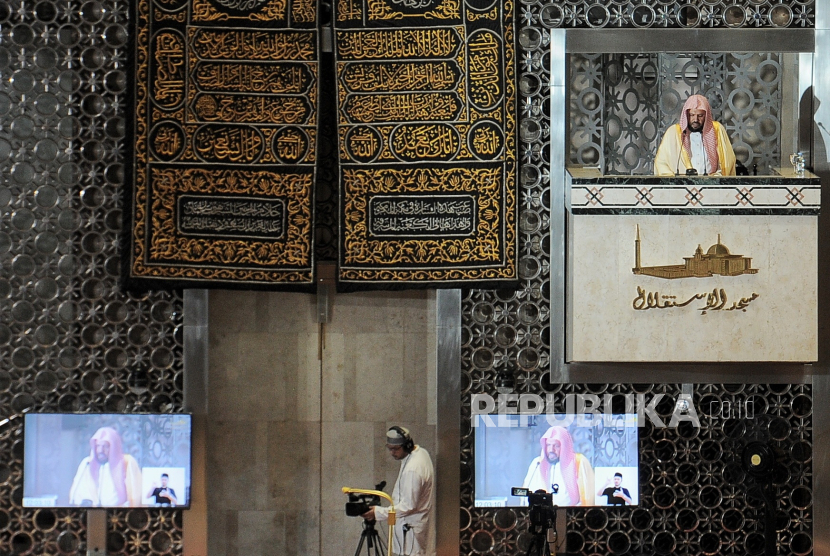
pixel 718 249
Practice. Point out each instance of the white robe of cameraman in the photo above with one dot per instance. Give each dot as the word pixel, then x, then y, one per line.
pixel 414 498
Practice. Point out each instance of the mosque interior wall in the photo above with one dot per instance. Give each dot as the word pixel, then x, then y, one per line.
pixel 286 426
pixel 291 420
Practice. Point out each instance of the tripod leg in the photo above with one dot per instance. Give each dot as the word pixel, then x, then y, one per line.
pixel 378 545
pixel 532 550
pixel 374 546
pixel 360 544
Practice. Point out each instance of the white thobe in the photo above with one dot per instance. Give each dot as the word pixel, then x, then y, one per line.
pixel 584 480
pixel 414 499
pixel 107 495
pixel 534 481
pixel 700 161
pixel 103 492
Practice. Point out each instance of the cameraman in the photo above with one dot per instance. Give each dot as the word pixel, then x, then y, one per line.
pixel 413 495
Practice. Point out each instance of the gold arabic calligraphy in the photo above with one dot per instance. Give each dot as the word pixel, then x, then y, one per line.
pixel 715 301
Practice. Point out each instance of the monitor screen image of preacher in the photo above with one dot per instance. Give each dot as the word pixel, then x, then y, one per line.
pixel 583 460
pixel 106 460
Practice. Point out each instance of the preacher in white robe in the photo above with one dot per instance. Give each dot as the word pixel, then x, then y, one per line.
pixel 106 477
pixel 699 143
pixel 558 464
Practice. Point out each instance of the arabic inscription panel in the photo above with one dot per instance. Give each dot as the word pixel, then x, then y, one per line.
pixel 703 288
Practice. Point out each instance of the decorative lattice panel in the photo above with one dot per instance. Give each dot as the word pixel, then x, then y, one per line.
pixel 695 497
pixel 325 201
pixel 668 14
pixel 69 339
pixel 621 104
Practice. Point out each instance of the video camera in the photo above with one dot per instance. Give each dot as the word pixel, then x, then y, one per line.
pixel 542 511
pixel 359 504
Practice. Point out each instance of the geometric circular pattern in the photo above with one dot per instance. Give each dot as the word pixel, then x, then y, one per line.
pixel 622 104
pixel 70 340
pixel 695 497
pixel 326 172
pixel 692 501
pixel 668 14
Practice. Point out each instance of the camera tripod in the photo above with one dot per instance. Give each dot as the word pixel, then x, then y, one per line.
pixel 374 544
pixel 544 534
pixel 539 545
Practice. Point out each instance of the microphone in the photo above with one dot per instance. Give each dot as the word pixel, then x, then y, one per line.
pixel 679 154
pixel 740 169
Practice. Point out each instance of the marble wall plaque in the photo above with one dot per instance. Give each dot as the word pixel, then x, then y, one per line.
pixel 703 288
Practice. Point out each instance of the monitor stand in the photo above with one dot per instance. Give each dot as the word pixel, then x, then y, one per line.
pixel 96 532
pixel 560 546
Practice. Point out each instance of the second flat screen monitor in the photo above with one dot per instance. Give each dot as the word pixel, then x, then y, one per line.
pixel 587 460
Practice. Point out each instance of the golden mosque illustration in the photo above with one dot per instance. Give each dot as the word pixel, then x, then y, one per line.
pixel 717 260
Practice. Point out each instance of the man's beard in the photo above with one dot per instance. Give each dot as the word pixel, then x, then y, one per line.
pixel 695 128
pixel 553 459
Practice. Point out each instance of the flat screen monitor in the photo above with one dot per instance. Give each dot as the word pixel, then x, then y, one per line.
pixel 583 460
pixel 106 460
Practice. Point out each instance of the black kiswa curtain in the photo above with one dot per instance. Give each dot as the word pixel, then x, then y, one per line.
pixel 426 124
pixel 225 127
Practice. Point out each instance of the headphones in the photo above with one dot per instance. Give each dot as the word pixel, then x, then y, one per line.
pixel 408 444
